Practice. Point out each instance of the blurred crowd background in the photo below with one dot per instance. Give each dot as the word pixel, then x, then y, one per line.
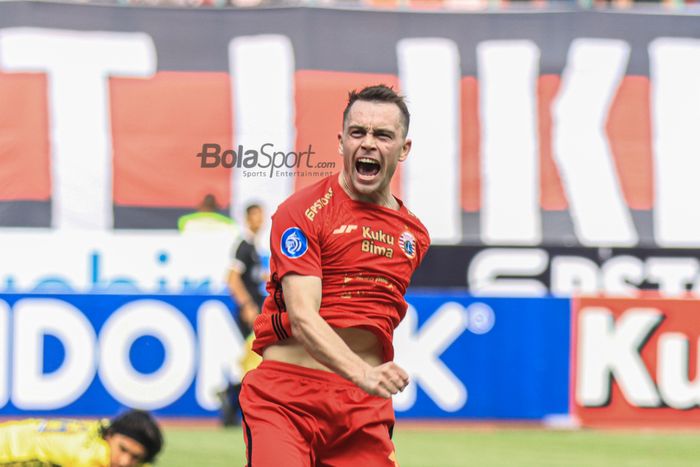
pixel 428 5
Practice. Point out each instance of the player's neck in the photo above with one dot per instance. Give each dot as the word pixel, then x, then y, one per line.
pixel 382 198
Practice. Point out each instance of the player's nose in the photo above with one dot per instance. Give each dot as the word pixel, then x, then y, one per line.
pixel 369 141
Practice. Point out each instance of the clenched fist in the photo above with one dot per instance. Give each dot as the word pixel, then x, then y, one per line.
pixel 384 380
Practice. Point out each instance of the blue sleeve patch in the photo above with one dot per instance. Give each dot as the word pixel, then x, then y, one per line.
pixel 293 243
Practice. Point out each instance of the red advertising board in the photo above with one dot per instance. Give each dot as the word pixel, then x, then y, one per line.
pixel 634 362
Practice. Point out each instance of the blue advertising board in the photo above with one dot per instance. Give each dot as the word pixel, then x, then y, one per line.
pixel 509 359
pixel 94 354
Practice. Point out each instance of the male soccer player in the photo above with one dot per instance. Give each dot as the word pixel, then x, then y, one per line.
pixel 129 440
pixel 343 251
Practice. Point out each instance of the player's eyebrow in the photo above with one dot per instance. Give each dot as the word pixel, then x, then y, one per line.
pixel 357 127
pixel 376 130
pixel 384 131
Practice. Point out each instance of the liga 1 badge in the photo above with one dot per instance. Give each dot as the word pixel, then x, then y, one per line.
pixel 293 243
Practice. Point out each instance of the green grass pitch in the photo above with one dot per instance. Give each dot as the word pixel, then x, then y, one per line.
pixel 493 447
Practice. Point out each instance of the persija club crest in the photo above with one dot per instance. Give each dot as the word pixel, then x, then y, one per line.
pixel 407 243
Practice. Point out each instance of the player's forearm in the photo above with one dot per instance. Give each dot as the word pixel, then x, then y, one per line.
pixel 302 297
pixel 324 345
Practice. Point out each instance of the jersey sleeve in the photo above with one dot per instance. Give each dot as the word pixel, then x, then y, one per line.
pixel 240 260
pixel 423 245
pixel 294 243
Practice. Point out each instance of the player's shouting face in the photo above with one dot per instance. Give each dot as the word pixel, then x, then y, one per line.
pixel 372 143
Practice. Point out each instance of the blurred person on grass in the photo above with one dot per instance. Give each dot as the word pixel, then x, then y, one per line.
pixel 129 440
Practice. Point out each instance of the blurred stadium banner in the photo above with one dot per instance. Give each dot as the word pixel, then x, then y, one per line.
pixel 562 271
pixel 484 358
pixel 36 260
pixel 558 128
pixel 92 354
pixel 593 361
pixel 636 362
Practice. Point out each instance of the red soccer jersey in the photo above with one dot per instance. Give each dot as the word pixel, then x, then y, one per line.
pixel 364 254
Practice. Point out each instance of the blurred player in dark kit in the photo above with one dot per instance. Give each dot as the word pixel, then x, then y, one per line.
pixel 245 279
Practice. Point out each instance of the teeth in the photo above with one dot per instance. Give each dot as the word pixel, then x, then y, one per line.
pixel 367 160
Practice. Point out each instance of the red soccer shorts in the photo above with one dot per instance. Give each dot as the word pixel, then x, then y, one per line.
pixel 299 417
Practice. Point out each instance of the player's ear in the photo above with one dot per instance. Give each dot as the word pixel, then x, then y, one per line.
pixel 340 143
pixel 405 149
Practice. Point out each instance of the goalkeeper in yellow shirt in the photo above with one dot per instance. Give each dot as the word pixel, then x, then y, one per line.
pixel 129 440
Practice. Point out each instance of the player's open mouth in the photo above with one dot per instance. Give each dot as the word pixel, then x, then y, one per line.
pixel 367 167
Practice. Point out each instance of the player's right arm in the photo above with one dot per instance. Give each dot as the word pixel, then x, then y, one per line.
pixel 302 296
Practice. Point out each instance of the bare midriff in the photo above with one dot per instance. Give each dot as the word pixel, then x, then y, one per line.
pixel 364 343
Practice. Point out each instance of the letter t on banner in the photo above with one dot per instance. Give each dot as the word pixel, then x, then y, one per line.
pixel 78 65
